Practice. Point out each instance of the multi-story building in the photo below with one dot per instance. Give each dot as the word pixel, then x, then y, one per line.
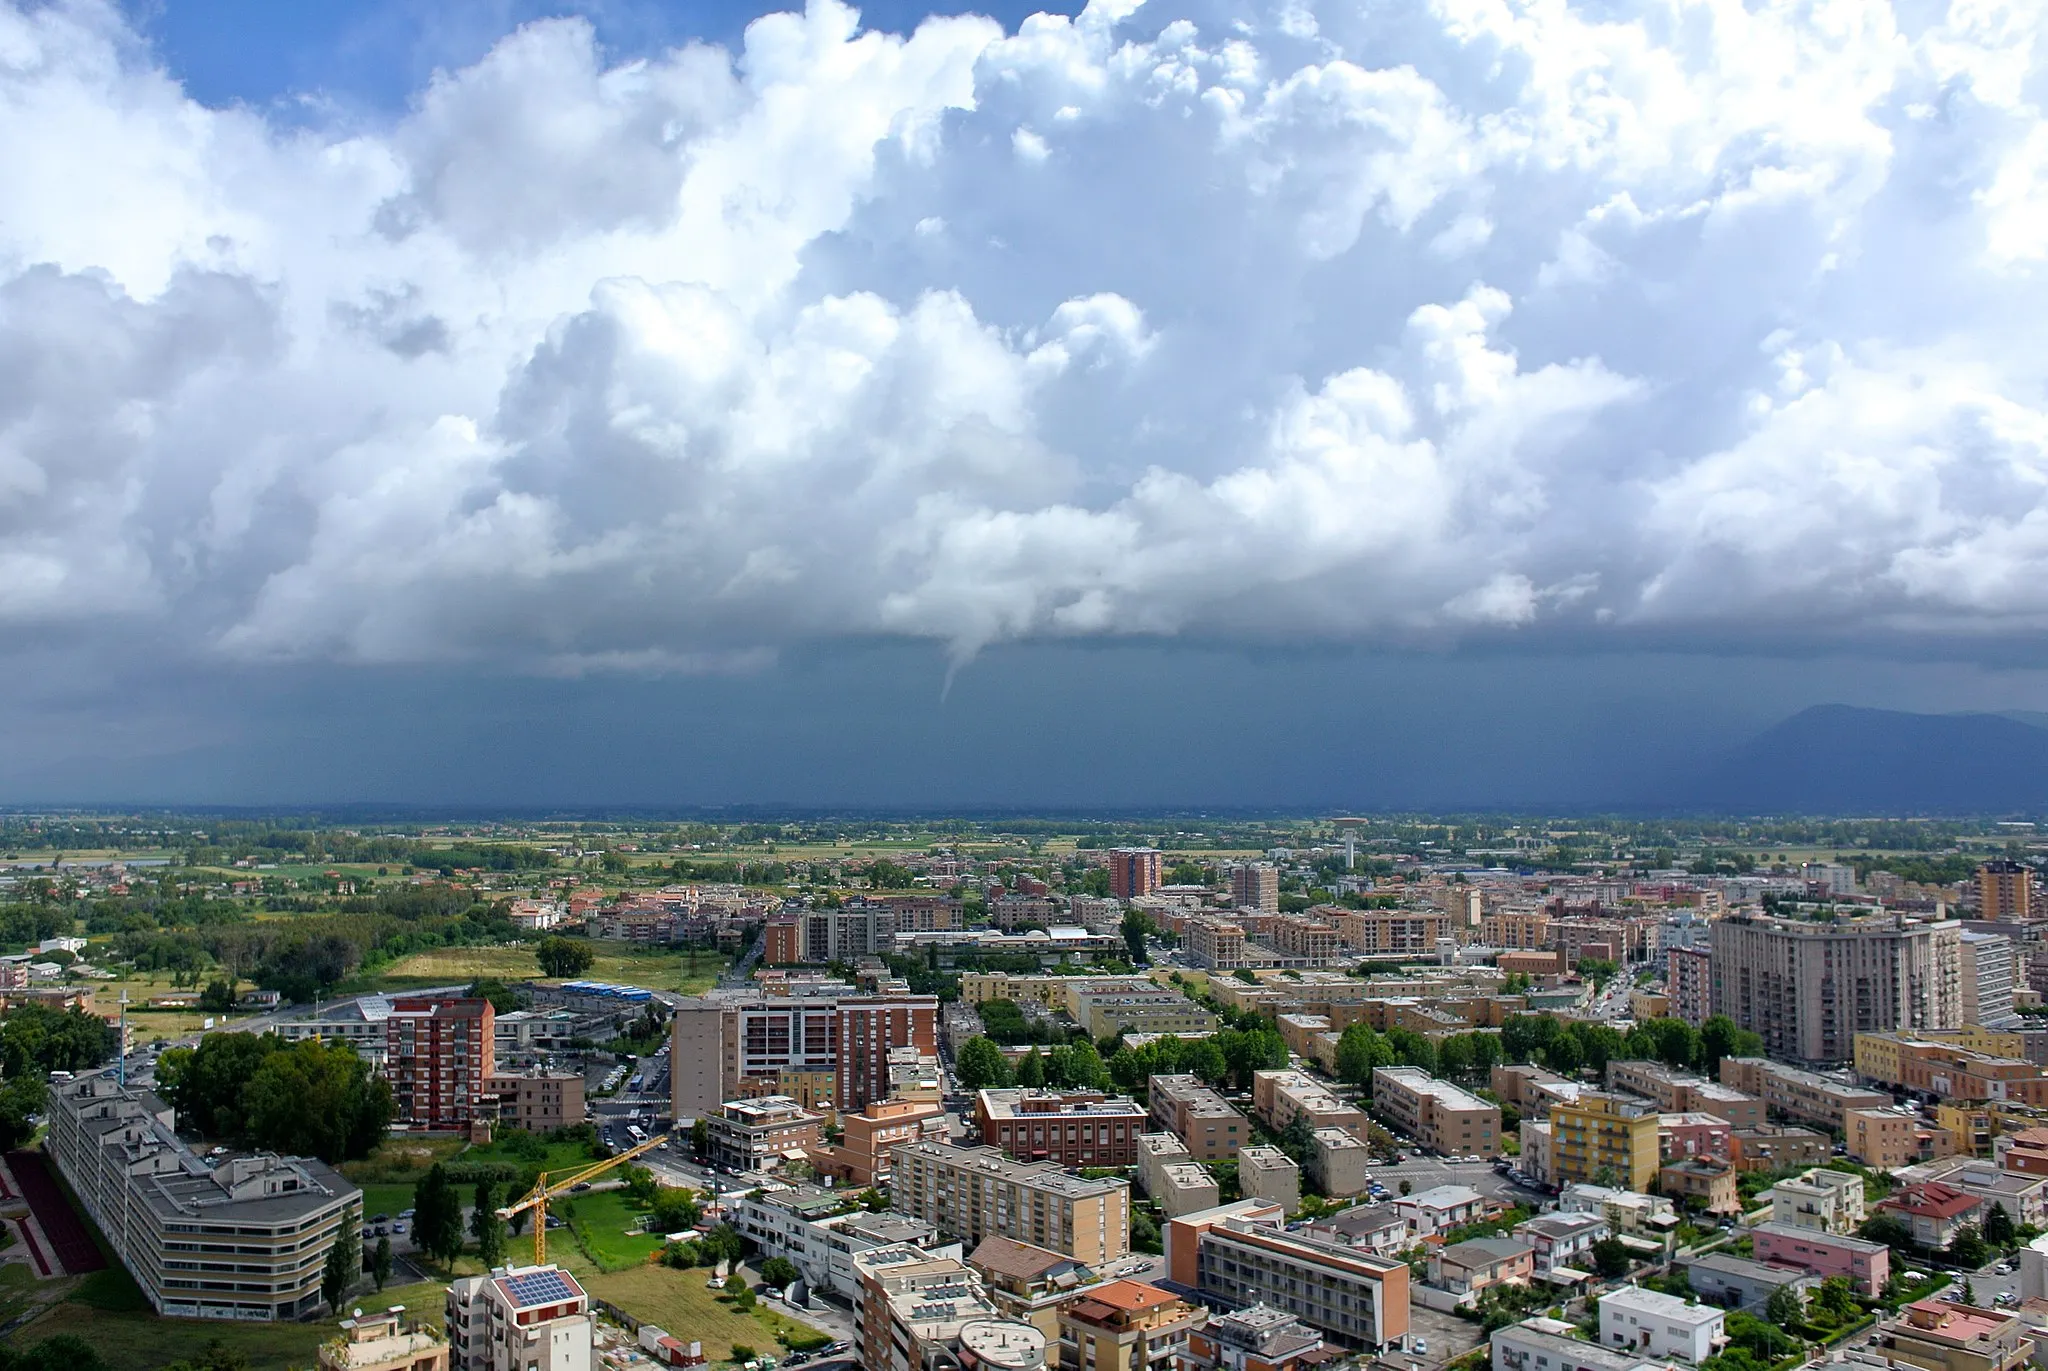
pixel 526 1035
pixel 1516 928
pixel 1886 1139
pixel 1337 1163
pixel 1214 943
pixel 821 1232
pixel 2005 891
pixel 1133 871
pixel 1071 1127
pixel 870 1138
pixel 1561 1239
pixel 1029 1283
pixel 1944 1069
pixel 1127 1326
pixel 1689 982
pixel 1774 1147
pixel 244 1237
pixel 1809 988
pixel 1267 1173
pixel 727 1044
pixel 1107 1013
pixel 1654 1324
pixel 1260 1338
pixel 918 1310
pixel 1381 931
pixel 358 1022
pixel 1352 1296
pixel 976 1192
pixel 762 1134
pixel 1937 1335
pixel 1794 1094
pixel 1603 1138
pixel 1678 1092
pixel 1546 1344
pixel 438 1055
pixel 1442 1117
pixel 1300 939
pixel 1477 1264
pixel 1198 1116
pixel 1866 1264
pixel 1256 885
pixel 519 1318
pixel 1694 1134
pixel 1712 1183
pixel 1280 1097
pixel 536 1100
pixel 1989 974
pixel 384 1342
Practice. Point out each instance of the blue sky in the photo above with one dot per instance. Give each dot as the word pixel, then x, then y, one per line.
pixel 1274 399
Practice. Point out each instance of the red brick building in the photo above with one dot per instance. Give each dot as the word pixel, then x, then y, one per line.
pixel 1133 871
pixel 1071 1127
pixel 440 1056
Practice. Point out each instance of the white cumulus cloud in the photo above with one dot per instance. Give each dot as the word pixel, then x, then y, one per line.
pixel 1244 318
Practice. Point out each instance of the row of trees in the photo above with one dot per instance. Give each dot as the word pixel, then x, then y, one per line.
pixel 309 1098
pixel 36 1040
pixel 1568 1048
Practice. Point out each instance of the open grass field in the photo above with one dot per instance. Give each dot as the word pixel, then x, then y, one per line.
pixel 623 963
pixel 607 1224
pixel 678 1302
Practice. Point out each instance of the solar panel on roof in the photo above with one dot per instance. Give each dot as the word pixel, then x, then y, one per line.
pixel 539 1287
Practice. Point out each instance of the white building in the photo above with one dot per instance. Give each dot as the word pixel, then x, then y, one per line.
pixel 1650 1323
pixel 1554 1345
pixel 1561 1239
pixel 519 1318
pixel 818 1232
pixel 1439 1208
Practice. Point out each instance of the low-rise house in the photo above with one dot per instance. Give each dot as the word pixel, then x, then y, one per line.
pixel 1739 1283
pixel 1710 1183
pixel 1441 1208
pixel 1128 1326
pixel 1470 1267
pixel 1867 1264
pixel 1773 1147
pixel 1376 1228
pixel 1831 1201
pixel 1651 1323
pixel 1931 1210
pixel 1554 1345
pixel 1029 1284
pixel 1561 1239
pixel 2025 1197
pixel 1630 1213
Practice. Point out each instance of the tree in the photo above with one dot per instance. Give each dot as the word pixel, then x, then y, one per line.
pixel 1360 1052
pixel 380 1263
pixel 1785 1308
pixel 1031 1071
pixel 1969 1295
pixel 502 997
pixel 437 1216
pixel 65 1352
pixel 36 1040
pixel 674 1210
pixel 486 1226
pixel 1205 1059
pixel 344 1263
pixel 564 957
pixel 1968 1249
pixel 981 1065
pixel 1136 927
pixel 1610 1258
pixel 1719 1037
pixel 780 1273
pixel 218 997
pixel 700 1138
pixel 1999 1229
pixel 317 1098
pixel 1407 1187
pixel 1893 1233
pixel 21 1099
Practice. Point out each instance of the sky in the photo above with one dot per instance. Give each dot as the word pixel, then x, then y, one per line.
pixel 1223 402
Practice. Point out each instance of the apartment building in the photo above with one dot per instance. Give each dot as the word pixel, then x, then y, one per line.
pixel 1256 885
pixel 1279 1097
pixel 870 1138
pixel 817 1231
pixel 1260 1338
pixel 1515 929
pixel 728 1043
pixel 975 1192
pixel 1107 1013
pixel 1678 1092
pixel 536 1100
pixel 1791 1093
pixel 1198 1116
pixel 1337 1163
pixel 763 1134
pixel 1377 932
pixel 1945 1070
pixel 1990 974
pixel 1128 1326
pixel 1134 872
pixel 383 1342
pixel 1809 988
pixel 1775 1146
pixel 1303 939
pixel 1936 1335
pixel 1028 1283
pixel 1604 1135
pixel 1887 1139
pixel 1011 912
pixel 1694 1135
pixel 519 1318
pixel 1267 1173
pixel 1711 1183
pixel 1689 982
pixel 1055 994
pixel 1440 1116
pixel 1174 1181
pixel 2005 891
pixel 1349 1295
pixel 1071 1127
pixel 1531 1089
pixel 1214 943
pixel 918 1310
pixel 1561 1239
pixel 1866 1264
pixel 244 1237
pixel 438 1055
pixel 1477 1264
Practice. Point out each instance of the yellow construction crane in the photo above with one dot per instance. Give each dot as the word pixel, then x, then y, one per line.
pixel 538 1197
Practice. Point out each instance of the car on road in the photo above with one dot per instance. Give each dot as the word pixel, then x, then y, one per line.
pixel 1422 1346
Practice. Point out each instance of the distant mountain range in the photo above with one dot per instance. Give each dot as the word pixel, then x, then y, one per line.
pixel 1838 759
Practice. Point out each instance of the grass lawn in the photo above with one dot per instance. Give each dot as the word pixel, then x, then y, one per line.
pixel 402 1160
pixel 385 1199
pixel 608 1226
pixel 624 963
pixel 678 1302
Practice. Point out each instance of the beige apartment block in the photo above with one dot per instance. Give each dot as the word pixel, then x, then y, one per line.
pixel 975 1192
pixel 1279 1097
pixel 1439 1115
pixel 1198 1116
pixel 1267 1173
pixel 1213 943
pixel 1382 931
pixel 1338 1165
pixel 1810 988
